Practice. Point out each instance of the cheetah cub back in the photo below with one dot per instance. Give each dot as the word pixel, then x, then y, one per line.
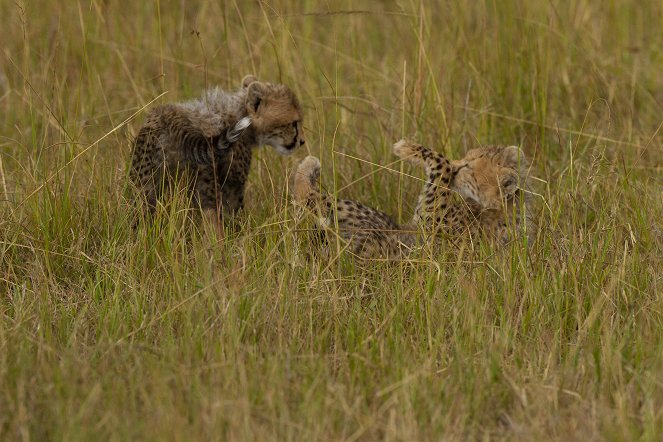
pixel 209 141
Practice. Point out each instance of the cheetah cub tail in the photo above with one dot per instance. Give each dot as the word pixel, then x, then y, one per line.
pixel 411 151
pixel 306 188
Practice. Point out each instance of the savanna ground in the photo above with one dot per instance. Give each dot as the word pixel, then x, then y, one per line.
pixel 172 331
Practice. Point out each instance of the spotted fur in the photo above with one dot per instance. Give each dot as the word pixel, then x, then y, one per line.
pixel 482 193
pixel 368 233
pixel 209 141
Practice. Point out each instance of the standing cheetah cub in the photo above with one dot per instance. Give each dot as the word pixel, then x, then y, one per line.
pixel 488 183
pixel 210 141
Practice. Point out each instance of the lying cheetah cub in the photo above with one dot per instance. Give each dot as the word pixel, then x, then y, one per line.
pixel 488 180
pixel 210 142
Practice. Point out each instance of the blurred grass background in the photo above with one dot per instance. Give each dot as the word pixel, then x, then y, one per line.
pixel 172 332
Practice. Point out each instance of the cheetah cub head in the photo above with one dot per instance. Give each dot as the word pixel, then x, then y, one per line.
pixel 275 114
pixel 491 176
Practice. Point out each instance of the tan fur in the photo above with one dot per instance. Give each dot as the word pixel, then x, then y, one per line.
pixel 280 104
pixel 493 181
pixel 488 174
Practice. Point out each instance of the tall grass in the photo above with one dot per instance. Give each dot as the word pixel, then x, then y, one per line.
pixel 176 331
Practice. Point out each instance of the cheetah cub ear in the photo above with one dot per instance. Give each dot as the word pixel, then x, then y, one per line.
pixel 255 95
pixel 247 80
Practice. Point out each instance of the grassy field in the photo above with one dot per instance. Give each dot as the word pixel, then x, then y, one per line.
pixel 172 332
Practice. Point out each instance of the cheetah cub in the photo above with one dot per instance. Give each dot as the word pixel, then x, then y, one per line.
pixel 483 192
pixel 209 141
